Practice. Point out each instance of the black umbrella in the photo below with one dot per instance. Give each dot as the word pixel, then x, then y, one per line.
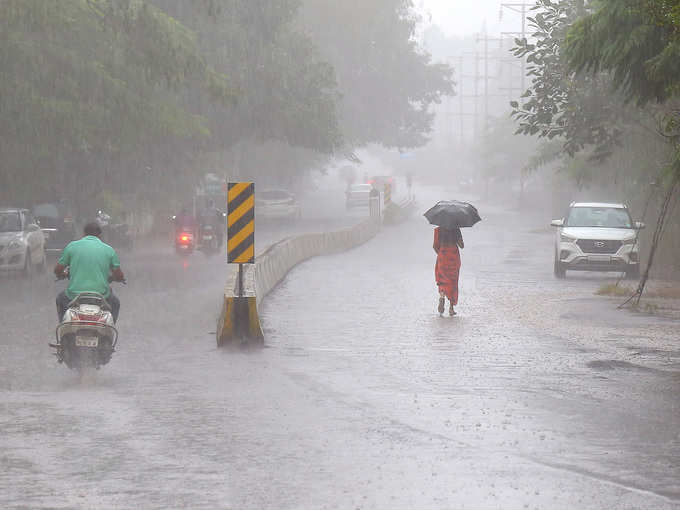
pixel 452 214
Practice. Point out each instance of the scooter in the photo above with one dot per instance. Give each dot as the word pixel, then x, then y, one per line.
pixel 86 338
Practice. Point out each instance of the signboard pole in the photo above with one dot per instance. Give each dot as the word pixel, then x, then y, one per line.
pixel 241 223
pixel 240 280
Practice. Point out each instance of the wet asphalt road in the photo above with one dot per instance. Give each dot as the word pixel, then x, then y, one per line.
pixel 537 395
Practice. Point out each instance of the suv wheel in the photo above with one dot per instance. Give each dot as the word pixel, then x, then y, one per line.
pixel 558 269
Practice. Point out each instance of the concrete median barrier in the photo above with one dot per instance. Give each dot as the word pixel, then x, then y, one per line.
pixel 239 322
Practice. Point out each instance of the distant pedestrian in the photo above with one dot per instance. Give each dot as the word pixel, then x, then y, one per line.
pixel 446 245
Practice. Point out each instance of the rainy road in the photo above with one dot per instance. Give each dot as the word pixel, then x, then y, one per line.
pixel 538 395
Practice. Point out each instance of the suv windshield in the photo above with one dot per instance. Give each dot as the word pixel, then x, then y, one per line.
pixel 609 217
pixel 10 221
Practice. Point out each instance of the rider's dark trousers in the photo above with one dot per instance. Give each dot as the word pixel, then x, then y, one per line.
pixel 63 300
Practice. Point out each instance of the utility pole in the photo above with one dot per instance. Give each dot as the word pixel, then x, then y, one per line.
pixel 452 113
pixel 462 88
pixel 520 8
pixel 486 39
pixel 476 95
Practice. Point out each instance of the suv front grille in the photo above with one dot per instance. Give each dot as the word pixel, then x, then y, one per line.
pixel 598 246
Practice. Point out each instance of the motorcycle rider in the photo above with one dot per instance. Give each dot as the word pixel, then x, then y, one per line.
pixel 89 261
pixel 185 221
pixel 212 216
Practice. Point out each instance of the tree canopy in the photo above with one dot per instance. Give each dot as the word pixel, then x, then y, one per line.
pixel 129 95
pixel 387 81
pixel 636 41
pixel 67 105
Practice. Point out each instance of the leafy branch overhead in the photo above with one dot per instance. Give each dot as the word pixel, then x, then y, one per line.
pixel 595 69
pixel 574 107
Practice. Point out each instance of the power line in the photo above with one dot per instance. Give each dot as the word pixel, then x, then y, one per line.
pixel 520 8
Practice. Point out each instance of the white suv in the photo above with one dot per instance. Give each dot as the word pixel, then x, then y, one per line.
pixel 597 237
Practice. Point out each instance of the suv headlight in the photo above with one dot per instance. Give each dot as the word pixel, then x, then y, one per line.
pixel 567 239
pixel 632 240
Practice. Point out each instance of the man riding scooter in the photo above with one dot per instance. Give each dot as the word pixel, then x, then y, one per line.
pixel 215 218
pixel 90 261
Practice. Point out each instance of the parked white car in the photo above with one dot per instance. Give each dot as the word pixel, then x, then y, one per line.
pixel 597 237
pixel 22 243
pixel 274 204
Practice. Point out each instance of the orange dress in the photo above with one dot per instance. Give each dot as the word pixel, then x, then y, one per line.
pixel 447 268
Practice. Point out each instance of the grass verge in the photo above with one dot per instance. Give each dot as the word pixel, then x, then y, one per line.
pixel 613 289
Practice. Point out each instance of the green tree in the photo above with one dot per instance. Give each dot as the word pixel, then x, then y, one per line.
pixel 287 93
pixel 387 81
pixel 577 108
pixel 86 83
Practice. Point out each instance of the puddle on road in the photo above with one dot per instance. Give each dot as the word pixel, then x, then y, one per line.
pixel 612 364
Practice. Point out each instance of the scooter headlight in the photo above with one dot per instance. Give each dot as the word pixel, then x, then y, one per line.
pixel 14 245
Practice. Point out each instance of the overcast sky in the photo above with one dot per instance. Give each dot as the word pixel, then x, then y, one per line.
pixel 461 17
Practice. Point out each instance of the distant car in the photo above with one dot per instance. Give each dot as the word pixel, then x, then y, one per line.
pixel 358 195
pixel 276 204
pixel 56 222
pixel 22 243
pixel 597 236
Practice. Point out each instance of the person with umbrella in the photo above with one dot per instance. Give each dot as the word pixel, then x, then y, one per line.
pixel 449 216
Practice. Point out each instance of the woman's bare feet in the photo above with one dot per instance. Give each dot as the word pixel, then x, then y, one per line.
pixel 441 305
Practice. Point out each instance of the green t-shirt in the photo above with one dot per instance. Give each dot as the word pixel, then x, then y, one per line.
pixel 90 260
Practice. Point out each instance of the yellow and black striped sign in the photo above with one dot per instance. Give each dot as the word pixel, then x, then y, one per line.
pixel 388 192
pixel 241 223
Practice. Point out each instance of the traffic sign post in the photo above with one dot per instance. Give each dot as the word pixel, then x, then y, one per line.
pixel 388 193
pixel 241 223
pixel 241 226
